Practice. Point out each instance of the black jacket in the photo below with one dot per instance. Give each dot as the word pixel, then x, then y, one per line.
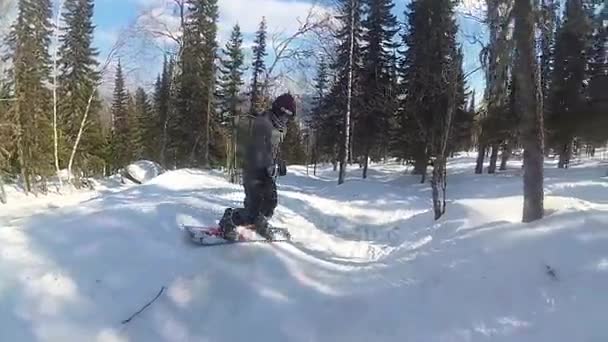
pixel 262 150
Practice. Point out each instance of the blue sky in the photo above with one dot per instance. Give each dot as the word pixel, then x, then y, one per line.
pixel 112 16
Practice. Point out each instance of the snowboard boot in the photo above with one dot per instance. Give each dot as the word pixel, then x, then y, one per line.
pixel 262 227
pixel 227 226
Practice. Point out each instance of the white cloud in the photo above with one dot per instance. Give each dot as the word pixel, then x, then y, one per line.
pixel 280 15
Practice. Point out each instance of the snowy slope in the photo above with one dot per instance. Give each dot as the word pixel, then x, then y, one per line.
pixel 368 263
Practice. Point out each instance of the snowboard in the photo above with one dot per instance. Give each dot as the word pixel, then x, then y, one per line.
pixel 212 235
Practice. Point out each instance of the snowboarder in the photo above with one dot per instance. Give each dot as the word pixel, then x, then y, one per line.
pixel 261 167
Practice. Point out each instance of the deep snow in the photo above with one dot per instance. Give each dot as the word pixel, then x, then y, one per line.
pixel 368 263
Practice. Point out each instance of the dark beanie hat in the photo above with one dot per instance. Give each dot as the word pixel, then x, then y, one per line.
pixel 284 105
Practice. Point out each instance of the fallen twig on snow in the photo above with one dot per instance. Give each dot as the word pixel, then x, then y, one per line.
pixel 145 306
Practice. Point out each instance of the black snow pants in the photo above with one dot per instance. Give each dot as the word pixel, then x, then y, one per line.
pixel 260 199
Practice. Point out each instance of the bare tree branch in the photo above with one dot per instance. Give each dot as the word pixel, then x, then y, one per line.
pixel 117 46
pixel 285 48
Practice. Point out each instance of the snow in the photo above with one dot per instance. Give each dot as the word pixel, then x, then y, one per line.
pixel 143 171
pixel 367 263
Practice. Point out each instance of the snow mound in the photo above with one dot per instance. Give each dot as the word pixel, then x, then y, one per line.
pixel 143 171
pixel 368 262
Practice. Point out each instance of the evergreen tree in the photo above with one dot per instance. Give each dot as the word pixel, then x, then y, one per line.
pixel 315 121
pixel 212 135
pixel 547 25
pixel 429 95
pixel 162 104
pixel 334 108
pixel 231 81
pixel 193 127
pixel 259 69
pixel 78 80
pixel 377 93
pixel 28 43
pixel 496 59
pixel 143 131
pixel 568 82
pixel 462 124
pixel 121 134
pixel 292 148
pixel 596 118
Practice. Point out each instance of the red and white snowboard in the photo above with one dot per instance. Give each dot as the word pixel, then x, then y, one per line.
pixel 212 235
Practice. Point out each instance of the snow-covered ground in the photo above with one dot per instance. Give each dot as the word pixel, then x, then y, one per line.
pixel 367 263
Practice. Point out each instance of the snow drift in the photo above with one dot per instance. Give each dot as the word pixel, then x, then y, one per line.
pixel 142 171
pixel 368 263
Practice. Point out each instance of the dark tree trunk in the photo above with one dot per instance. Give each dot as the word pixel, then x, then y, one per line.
pixel 564 156
pixel 480 159
pixel 506 155
pixel 366 163
pixel 437 181
pixel 493 159
pixel 527 103
pixel 421 163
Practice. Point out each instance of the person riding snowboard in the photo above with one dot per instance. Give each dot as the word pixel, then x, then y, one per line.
pixel 261 167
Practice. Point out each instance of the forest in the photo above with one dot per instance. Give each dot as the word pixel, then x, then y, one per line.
pixel 383 86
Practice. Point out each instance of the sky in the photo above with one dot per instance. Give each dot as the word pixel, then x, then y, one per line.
pixel 143 57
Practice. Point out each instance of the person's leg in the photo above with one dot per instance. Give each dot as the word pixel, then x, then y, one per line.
pixel 243 216
pixel 270 198
pixel 254 198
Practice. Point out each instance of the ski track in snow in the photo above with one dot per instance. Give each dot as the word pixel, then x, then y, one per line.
pixel 367 263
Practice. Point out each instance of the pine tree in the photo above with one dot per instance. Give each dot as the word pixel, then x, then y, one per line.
pixel 596 118
pixel 462 125
pixel 259 69
pixel 292 148
pixel 315 121
pixel 231 82
pixel 377 95
pixel 121 134
pixel 497 59
pixel 194 126
pixel 547 24
pixel 347 68
pixel 568 81
pixel 78 80
pixel 28 43
pixel 429 94
pixel 143 129
pixel 162 104
pixel 211 140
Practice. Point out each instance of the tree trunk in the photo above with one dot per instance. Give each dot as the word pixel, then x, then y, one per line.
pixel 345 146
pixel 493 159
pixel 421 160
pixel 506 155
pixel 366 162
pixel 526 100
pixel 79 136
pixel 207 128
pixel 163 147
pixel 3 198
pixel 55 134
pixel 480 158
pixel 564 156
